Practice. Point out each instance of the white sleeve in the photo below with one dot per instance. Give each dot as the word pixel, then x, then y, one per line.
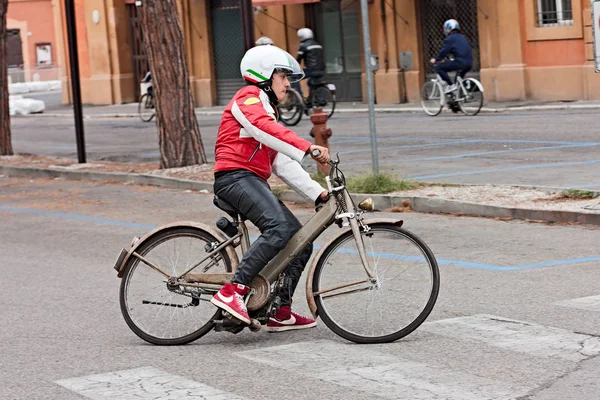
pixel 292 173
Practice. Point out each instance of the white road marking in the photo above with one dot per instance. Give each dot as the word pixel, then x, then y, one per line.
pixel 524 337
pixel 591 303
pixel 143 383
pixel 362 369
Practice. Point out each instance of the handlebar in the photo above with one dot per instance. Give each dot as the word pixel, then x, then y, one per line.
pixel 317 153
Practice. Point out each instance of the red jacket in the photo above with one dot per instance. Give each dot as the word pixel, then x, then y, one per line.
pixel 249 137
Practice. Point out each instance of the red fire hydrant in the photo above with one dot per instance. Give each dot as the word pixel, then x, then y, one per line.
pixel 321 133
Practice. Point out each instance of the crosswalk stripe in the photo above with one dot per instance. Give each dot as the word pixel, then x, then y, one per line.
pixel 143 383
pixel 380 374
pixel 591 303
pixel 524 337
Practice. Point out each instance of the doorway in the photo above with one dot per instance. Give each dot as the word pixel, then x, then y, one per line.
pixel 338 31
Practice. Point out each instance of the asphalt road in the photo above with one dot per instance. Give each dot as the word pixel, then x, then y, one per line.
pixel 553 149
pixel 518 316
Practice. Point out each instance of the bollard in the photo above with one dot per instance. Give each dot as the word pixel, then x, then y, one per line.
pixel 321 133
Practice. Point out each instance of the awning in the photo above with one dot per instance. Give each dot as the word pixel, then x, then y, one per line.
pixel 266 3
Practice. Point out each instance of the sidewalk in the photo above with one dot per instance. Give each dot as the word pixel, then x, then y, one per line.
pixel 499 202
pixel 130 110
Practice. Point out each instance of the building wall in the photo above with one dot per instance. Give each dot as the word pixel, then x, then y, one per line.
pixel 518 60
pixel 31 18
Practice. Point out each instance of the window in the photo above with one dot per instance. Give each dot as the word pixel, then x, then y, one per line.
pixel 554 13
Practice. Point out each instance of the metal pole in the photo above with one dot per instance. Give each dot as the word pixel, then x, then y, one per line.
pixel 370 93
pixel 247 23
pixel 75 83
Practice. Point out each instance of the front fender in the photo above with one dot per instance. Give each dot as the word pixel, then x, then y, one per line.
pixel 310 299
pixel 185 224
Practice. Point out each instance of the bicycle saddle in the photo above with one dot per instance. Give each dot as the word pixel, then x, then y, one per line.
pixel 228 208
pixel 318 81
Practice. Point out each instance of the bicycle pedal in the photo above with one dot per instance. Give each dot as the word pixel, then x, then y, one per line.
pixel 254 325
pixel 233 319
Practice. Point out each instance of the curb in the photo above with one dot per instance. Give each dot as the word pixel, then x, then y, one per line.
pixel 418 204
pixel 382 110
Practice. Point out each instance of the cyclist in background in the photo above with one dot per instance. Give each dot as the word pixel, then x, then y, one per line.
pixel 311 53
pixel 457 45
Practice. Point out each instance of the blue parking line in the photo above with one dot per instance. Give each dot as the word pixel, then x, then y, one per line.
pixel 564 164
pixel 463 264
pixel 76 217
pixel 455 156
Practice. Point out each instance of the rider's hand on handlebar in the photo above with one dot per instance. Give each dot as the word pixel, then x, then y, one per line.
pixel 319 153
pixel 432 61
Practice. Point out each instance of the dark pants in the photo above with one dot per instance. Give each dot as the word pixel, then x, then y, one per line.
pixel 252 197
pixel 453 65
pixel 310 75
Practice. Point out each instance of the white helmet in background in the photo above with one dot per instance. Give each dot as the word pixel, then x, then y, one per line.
pixel 259 63
pixel 450 26
pixel 264 40
pixel 305 34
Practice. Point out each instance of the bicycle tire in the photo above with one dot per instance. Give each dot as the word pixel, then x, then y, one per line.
pixel 292 103
pixel 349 323
pixel 431 102
pixel 146 108
pixel 473 93
pixel 140 319
pixel 322 97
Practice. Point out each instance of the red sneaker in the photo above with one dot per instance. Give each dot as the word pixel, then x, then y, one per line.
pixel 286 320
pixel 231 299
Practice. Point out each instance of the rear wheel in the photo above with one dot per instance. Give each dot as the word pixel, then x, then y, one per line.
pixel 291 108
pixel 431 98
pixel 388 307
pixel 470 99
pixel 146 108
pixel 323 98
pixel 163 311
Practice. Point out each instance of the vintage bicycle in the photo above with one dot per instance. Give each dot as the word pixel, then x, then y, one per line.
pixel 372 282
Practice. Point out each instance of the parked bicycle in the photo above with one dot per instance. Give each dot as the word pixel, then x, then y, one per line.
pixel 467 97
pixel 146 107
pixel 374 282
pixel 322 94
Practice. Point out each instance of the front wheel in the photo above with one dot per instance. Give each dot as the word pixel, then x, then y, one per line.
pixel 146 107
pixel 470 98
pixel 431 98
pixel 165 312
pixel 388 307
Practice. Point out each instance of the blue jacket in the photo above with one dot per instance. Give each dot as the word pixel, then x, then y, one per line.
pixel 456 44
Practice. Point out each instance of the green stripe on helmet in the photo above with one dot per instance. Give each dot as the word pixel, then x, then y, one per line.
pixel 259 76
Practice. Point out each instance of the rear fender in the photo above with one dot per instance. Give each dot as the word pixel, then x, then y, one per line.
pixel 120 266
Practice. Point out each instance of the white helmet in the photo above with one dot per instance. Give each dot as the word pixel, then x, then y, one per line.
pixel 264 40
pixel 450 26
pixel 259 63
pixel 305 34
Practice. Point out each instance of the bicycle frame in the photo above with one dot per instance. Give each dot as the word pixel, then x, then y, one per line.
pixel 331 211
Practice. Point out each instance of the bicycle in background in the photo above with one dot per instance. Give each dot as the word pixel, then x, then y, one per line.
pixel 322 94
pixel 146 107
pixel 466 97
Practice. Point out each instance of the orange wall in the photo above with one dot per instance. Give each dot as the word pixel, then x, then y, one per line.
pixel 547 53
pixel 38 15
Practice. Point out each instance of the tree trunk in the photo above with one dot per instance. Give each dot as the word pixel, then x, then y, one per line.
pixel 179 135
pixel 5 141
